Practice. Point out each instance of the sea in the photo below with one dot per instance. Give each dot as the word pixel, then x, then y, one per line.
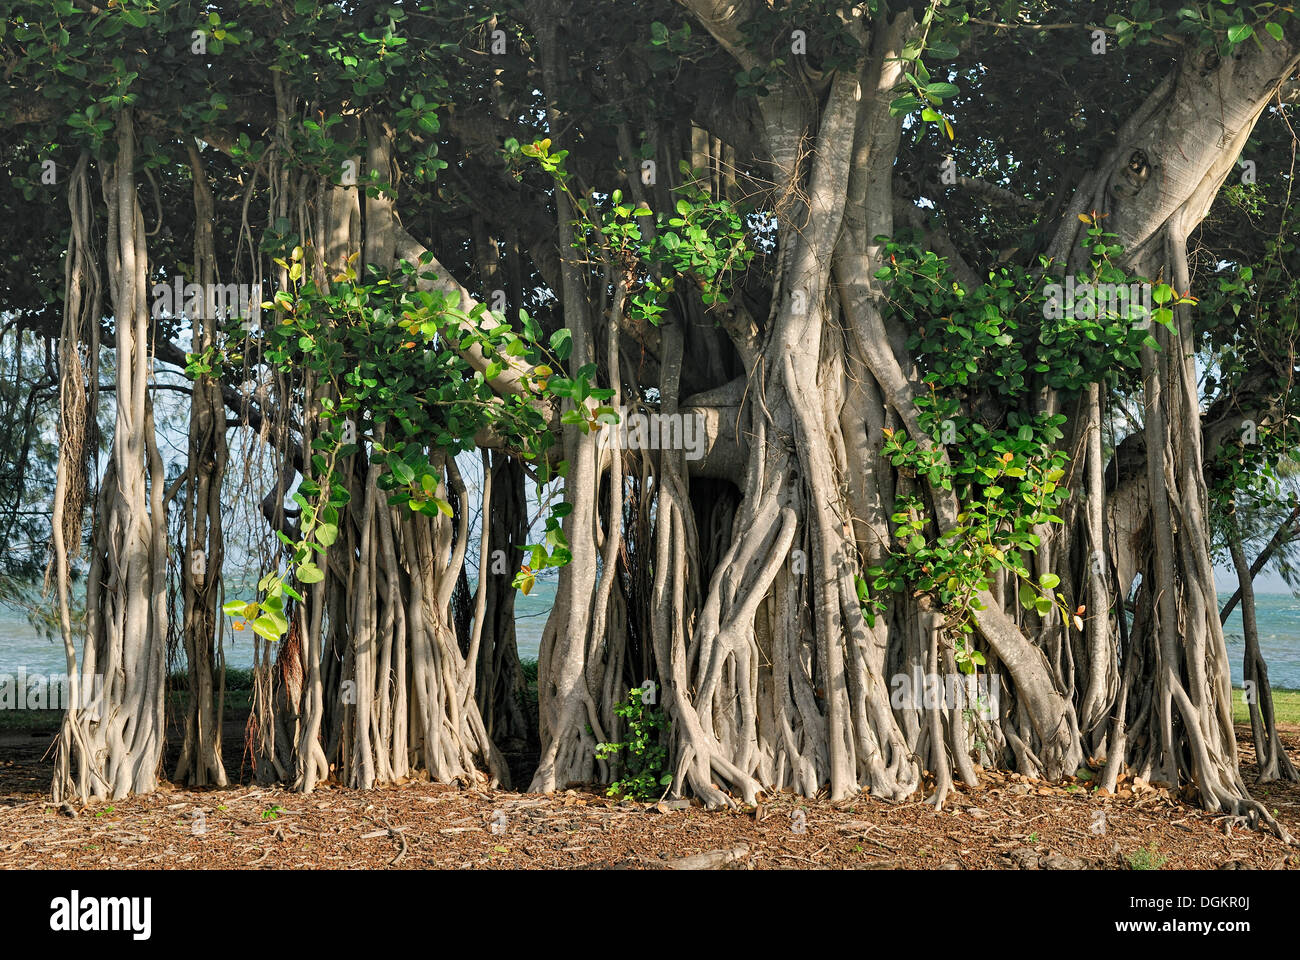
pixel 22 648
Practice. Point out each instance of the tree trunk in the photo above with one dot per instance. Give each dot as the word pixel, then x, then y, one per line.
pixel 201 563
pixel 126 627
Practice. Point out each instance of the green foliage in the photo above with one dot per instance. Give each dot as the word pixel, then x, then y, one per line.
pixel 702 242
pixel 236 679
pixel 1254 305
pixel 1146 858
pixel 1224 24
pixel 994 347
pixel 701 245
pixel 926 93
pixel 640 757
pixel 389 353
pixel 528 669
pixel 831 44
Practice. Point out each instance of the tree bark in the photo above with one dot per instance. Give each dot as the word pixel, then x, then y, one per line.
pixel 126 629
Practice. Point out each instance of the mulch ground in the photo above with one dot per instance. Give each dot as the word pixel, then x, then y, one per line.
pixel 1008 822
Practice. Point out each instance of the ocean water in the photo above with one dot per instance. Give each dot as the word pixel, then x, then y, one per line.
pixel 23 648
pixel 1278 614
pixel 1277 617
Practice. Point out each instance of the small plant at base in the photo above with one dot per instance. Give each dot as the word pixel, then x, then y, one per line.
pixel 643 758
pixel 1145 858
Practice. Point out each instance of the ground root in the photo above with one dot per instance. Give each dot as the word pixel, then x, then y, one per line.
pixel 700 762
pixel 1246 812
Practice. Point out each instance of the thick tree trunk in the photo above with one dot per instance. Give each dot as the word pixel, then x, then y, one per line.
pixel 126 624
pixel 576 649
pixel 1192 131
pixel 201 562
pixel 380 685
pixel 78 409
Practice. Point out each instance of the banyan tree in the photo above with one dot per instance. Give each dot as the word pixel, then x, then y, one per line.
pixel 784 334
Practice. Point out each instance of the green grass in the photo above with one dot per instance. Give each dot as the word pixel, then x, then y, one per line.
pixel 529 669
pixel 237 678
pixel 1146 859
pixel 22 721
pixel 235 699
pixel 1286 706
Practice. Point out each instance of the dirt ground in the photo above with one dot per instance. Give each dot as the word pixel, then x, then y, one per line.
pixel 1006 823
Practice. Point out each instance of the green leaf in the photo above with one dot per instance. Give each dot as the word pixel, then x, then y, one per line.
pixel 326 534
pixel 1049 581
pixel 562 343
pixel 264 627
pixel 1240 33
pixel 308 572
pixel 905 104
